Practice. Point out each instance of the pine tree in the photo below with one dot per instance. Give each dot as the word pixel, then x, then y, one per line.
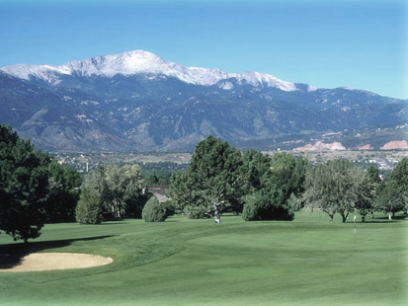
pixel 23 186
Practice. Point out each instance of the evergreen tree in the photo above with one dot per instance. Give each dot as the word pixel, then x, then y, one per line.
pixel 267 187
pixel 366 185
pixel 23 186
pixel 153 211
pixel 400 176
pixel 64 192
pixel 211 183
pixel 390 200
pixel 393 195
pixel 89 208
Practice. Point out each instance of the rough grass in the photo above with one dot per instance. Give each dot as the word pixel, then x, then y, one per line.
pixel 196 262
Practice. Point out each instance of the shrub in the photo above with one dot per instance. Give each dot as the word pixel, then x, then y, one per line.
pixel 89 208
pixel 266 206
pixel 153 211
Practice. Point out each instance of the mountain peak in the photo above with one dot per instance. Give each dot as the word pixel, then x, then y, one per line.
pixel 126 63
pixel 143 62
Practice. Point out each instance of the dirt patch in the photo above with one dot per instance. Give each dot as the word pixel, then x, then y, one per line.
pixel 58 261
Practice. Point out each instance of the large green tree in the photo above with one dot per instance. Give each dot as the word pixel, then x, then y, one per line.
pixel 212 181
pixel 289 174
pixel 400 176
pixel 366 183
pixel 89 209
pixel 267 186
pixel 332 188
pixel 23 186
pixel 393 196
pixel 64 192
pixel 390 200
pixel 120 188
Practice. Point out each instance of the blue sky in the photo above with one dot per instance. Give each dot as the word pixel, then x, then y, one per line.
pixel 350 43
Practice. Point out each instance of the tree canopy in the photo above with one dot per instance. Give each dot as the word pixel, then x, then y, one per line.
pixel 153 211
pixel 393 195
pixel 120 189
pixel 64 192
pixel 23 186
pixel 211 182
pixel 332 188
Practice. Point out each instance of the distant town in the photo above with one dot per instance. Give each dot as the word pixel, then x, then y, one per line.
pixel 384 160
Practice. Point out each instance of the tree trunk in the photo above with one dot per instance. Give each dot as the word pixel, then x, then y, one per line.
pixel 331 217
pixel 372 214
pixel 389 216
pixel 344 216
pixel 363 218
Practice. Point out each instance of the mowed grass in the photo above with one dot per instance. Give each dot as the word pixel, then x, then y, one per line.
pixel 196 262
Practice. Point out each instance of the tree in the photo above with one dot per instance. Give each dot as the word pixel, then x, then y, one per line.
pixel 331 188
pixel 282 167
pixel 366 184
pixel 400 176
pixel 125 185
pixel 266 205
pixel 64 192
pixel 267 186
pixel 390 199
pixel 23 186
pixel 89 208
pixel 373 177
pixel 289 175
pixel 255 171
pixel 120 188
pixel 153 211
pixel 153 179
pixel 211 183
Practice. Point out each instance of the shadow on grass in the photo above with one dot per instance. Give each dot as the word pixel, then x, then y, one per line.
pixel 113 223
pixel 11 255
pixel 384 220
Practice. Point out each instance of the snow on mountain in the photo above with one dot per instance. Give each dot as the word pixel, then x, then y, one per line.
pixel 138 62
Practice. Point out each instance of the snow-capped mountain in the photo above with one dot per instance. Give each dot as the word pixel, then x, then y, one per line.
pixel 137 101
pixel 142 62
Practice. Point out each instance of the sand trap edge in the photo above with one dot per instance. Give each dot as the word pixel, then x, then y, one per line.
pixel 58 261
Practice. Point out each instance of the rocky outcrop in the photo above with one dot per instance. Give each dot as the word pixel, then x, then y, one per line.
pixel 395 145
pixel 366 147
pixel 320 146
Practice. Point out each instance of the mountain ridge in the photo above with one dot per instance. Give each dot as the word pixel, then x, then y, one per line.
pixel 89 106
pixel 139 61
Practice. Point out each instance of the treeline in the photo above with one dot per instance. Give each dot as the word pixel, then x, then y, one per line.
pixel 220 178
pixel 35 189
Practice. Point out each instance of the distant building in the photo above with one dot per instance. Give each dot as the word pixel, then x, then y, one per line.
pixel 159 191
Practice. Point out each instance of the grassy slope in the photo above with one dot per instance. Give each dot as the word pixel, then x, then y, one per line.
pixel 196 262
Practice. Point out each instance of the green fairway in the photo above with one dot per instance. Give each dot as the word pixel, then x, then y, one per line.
pixel 195 262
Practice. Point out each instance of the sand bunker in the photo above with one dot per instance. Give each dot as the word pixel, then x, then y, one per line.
pixel 58 261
